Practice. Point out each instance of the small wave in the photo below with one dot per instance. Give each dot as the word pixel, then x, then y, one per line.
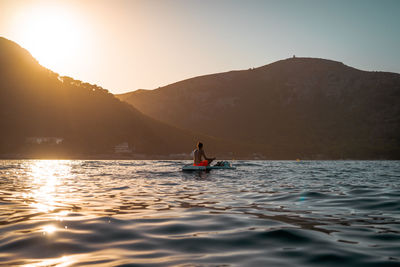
pixel 120 188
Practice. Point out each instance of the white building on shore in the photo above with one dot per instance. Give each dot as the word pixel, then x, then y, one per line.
pixel 122 148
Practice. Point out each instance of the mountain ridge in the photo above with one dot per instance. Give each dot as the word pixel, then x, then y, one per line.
pixel 314 107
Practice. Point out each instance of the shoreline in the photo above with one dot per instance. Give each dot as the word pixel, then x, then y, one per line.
pixel 170 157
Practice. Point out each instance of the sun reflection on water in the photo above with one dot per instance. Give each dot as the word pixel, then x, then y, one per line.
pixel 47 176
pixel 59 262
pixel 49 229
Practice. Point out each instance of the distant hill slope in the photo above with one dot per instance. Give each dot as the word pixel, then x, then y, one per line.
pixel 298 107
pixel 36 102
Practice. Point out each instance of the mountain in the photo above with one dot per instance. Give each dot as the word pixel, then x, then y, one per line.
pixel 44 114
pixel 293 108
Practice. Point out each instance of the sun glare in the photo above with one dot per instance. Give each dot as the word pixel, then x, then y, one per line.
pixel 47 175
pixel 51 33
pixel 49 229
pixel 59 262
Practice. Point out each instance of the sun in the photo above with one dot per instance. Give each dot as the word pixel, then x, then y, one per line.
pixel 52 34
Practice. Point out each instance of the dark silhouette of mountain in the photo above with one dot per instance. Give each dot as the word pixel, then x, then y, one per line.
pixel 298 107
pixel 42 114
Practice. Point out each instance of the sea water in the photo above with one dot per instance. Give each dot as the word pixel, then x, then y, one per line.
pixel 149 213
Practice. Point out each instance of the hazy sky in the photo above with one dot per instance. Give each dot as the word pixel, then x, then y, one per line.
pixel 123 45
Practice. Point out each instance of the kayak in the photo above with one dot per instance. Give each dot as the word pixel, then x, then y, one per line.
pixel 221 165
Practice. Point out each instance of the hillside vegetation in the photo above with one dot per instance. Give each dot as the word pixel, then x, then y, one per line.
pixel 36 102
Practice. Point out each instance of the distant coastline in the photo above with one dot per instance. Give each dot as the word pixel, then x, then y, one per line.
pixel 164 157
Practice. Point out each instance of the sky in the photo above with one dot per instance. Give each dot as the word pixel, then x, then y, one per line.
pixel 124 45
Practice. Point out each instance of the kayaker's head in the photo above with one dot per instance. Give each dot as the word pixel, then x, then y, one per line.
pixel 199 145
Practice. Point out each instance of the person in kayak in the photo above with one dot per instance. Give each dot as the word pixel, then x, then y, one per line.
pixel 198 154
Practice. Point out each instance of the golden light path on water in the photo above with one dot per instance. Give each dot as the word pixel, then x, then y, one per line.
pixel 46 177
pixel 53 193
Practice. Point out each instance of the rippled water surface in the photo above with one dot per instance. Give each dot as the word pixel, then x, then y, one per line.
pixel 276 213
